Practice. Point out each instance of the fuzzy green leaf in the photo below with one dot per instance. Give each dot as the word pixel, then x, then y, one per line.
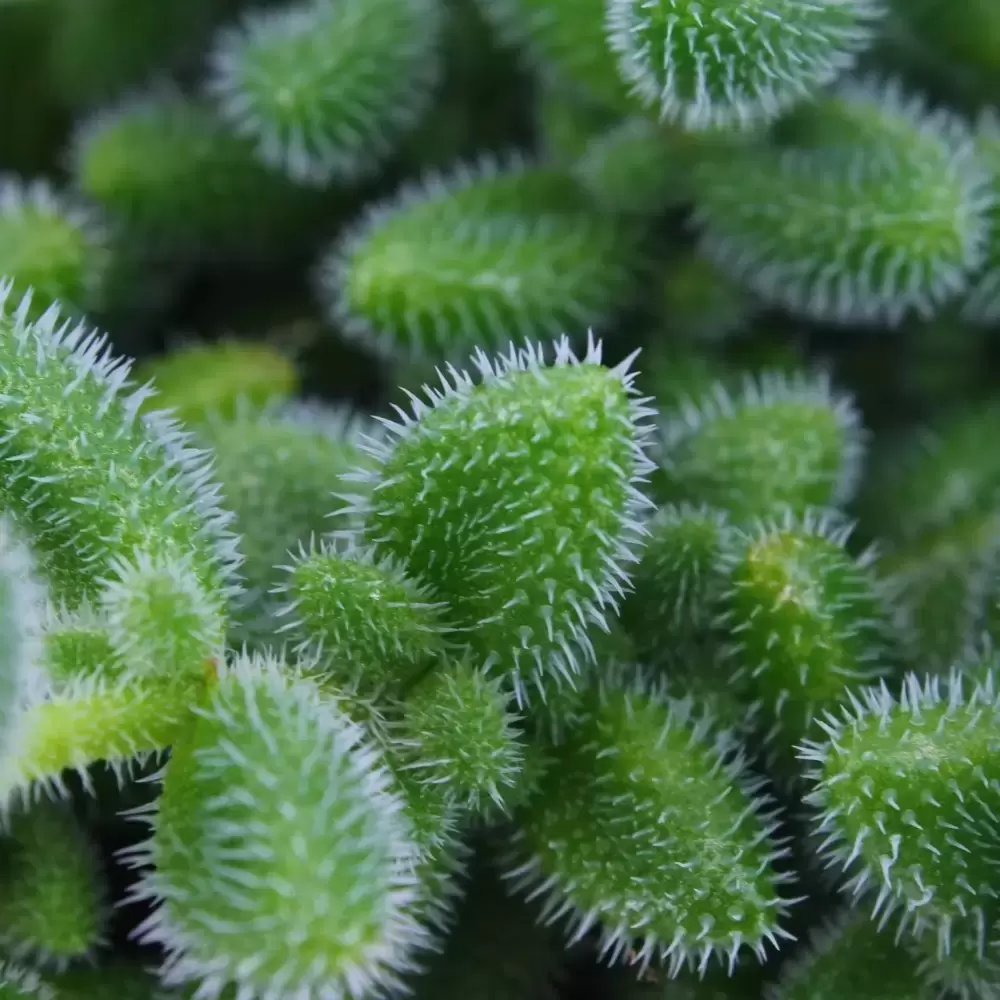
pixel 906 796
pixel 496 250
pixel 649 825
pixel 282 859
pixel 52 896
pixel 778 440
pixel 325 90
pixel 516 501
pixel 358 619
pixel 710 63
pixel 880 217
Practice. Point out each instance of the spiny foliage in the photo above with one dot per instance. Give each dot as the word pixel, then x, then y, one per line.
pixel 359 619
pixel 18 983
pixel 458 733
pixel 220 381
pixel 880 215
pixel 278 468
pixel 933 504
pixel 675 587
pixel 804 621
pixel 326 88
pixel 516 501
pixel 850 957
pixel 697 883
pixel 779 440
pixel 965 961
pixel 52 905
pixel 709 64
pixel 51 245
pixel 905 798
pixel 633 168
pixel 22 604
pixel 108 496
pixel 437 830
pixel 181 186
pixel 119 720
pixel 282 785
pixel 495 250
pixel 460 659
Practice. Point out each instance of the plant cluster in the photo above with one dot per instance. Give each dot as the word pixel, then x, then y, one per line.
pixel 498 497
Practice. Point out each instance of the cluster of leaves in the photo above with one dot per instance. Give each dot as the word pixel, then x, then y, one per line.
pixel 651 626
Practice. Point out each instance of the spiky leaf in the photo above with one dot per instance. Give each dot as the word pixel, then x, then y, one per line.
pixel 696 881
pixel 675 586
pixel 282 859
pixel 359 618
pixel 880 216
pixel 219 380
pixel 183 187
pixel 715 63
pixel 52 896
pixel 22 601
pixel 326 88
pixel 279 469
pixel 805 622
pixel 515 500
pixel 906 796
pixel 458 733
pixel 777 440
pixel 493 251
pixel 850 957
pixel 51 246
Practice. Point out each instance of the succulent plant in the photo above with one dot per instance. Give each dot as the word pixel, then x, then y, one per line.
pixel 932 503
pixel 551 558
pixel 497 249
pixel 326 89
pixel 17 983
pixel 371 634
pixel 903 799
pixel 51 245
pixel 166 171
pixel 779 440
pixel 676 586
pixel 22 606
pixel 220 381
pixel 850 956
pixel 278 511
pixel 698 883
pixel 716 63
pixel 881 215
pixel 52 907
pixel 458 733
pixel 359 619
pixel 804 622
pixel 274 808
